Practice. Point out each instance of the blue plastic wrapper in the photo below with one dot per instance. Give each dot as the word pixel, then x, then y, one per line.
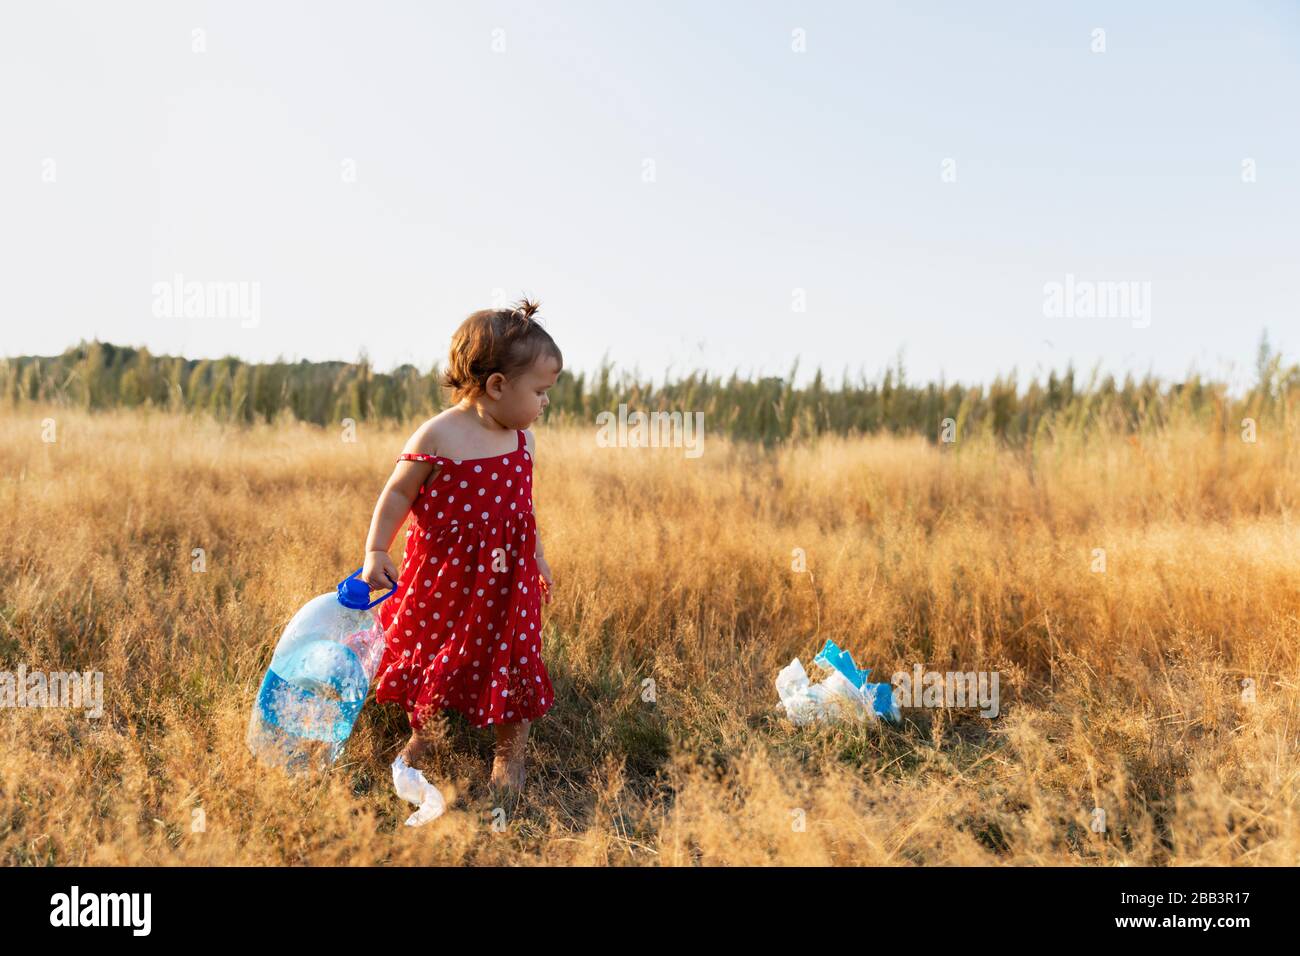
pixel 845 693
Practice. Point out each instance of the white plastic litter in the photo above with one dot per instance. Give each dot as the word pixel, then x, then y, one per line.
pixel 832 698
pixel 412 787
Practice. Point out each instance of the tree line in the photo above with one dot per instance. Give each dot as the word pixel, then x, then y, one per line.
pixel 770 409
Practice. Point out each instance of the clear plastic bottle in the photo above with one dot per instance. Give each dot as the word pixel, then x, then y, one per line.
pixel 319 679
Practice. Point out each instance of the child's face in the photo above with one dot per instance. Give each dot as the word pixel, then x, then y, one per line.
pixel 523 398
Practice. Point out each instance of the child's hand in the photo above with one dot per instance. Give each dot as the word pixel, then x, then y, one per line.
pixel 378 571
pixel 545 578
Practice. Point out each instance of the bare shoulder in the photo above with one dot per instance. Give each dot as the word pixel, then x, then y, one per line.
pixel 429 437
pixel 529 444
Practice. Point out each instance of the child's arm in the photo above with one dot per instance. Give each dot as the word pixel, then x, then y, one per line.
pixel 392 508
pixel 543 569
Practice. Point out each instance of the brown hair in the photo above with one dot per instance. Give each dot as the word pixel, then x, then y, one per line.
pixel 508 341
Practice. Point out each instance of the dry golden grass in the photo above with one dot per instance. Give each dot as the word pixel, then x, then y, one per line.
pixel 1120 690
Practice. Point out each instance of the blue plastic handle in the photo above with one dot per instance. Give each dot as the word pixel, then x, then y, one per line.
pixel 354 593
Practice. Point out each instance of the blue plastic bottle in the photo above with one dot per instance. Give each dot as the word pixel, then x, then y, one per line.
pixel 319 678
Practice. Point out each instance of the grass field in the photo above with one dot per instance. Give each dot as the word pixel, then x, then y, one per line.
pixel 1161 691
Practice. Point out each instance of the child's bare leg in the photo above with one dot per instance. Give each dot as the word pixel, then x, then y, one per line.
pixel 508 758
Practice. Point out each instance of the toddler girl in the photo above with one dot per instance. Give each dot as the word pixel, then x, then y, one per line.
pixel 464 629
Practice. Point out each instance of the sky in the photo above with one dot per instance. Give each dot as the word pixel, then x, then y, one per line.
pixel 722 186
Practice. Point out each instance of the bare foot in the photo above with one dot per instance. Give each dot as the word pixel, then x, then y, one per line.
pixel 508 759
pixel 508 774
pixel 423 743
pixel 416 751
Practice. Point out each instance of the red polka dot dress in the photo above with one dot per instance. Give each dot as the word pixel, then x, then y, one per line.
pixel 464 629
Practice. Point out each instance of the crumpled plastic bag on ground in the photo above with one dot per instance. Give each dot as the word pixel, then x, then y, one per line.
pixel 844 693
pixel 412 787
